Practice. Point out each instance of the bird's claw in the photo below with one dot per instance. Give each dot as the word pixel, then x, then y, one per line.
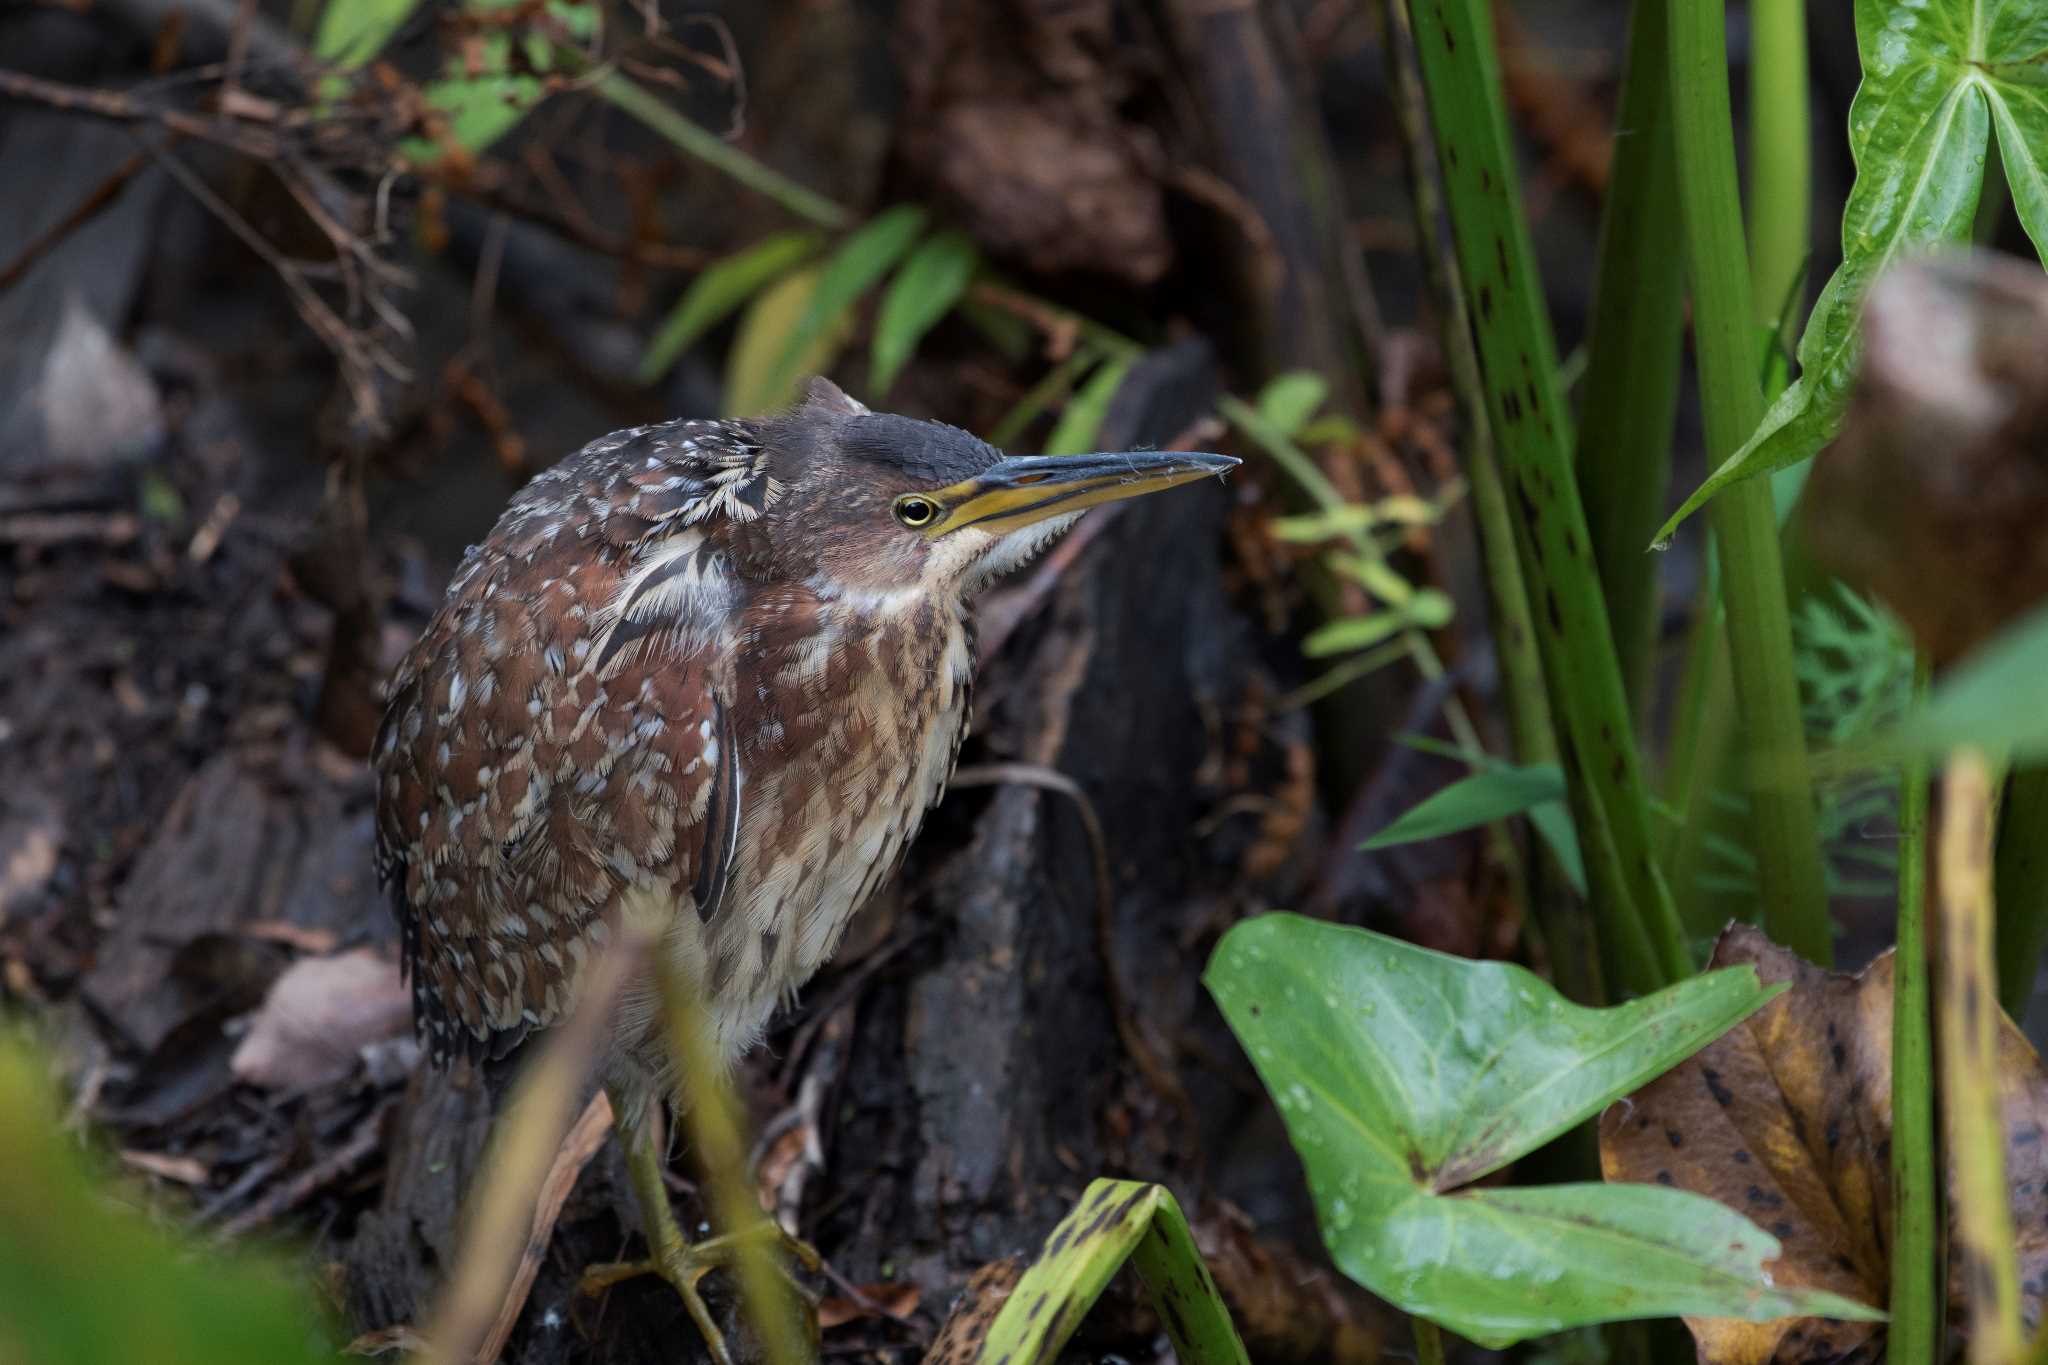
pixel 685 1266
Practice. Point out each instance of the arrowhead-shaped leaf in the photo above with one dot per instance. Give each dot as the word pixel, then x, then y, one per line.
pixel 1404 1074
pixel 1935 73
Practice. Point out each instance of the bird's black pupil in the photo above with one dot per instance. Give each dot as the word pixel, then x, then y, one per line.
pixel 915 511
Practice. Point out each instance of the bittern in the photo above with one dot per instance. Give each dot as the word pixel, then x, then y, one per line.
pixel 724 663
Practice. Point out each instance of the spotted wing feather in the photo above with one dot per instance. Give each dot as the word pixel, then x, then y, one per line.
pixel 528 769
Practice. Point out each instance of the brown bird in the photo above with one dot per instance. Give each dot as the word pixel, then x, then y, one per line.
pixel 722 665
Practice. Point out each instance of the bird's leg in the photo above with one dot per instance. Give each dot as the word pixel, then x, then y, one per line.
pixel 673 1256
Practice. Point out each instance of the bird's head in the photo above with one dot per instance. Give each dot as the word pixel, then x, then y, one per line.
pixel 880 503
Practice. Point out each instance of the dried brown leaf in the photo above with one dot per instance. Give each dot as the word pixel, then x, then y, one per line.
pixel 888 1300
pixel 1787 1119
pixel 319 1016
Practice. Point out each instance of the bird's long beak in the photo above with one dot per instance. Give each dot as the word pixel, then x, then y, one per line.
pixel 1021 489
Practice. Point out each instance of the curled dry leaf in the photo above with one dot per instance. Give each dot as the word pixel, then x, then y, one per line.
pixel 1787 1119
pixel 318 1018
pixel 888 1299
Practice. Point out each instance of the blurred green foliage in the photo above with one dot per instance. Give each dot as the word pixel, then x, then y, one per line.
pixel 88 1279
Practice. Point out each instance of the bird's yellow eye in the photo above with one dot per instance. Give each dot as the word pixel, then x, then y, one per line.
pixel 916 512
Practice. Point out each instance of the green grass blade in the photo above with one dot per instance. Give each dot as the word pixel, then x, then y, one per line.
pixel 1916 1301
pixel 1783 831
pixel 924 291
pixel 1058 382
pixel 1115 1221
pixel 719 290
pixel 1630 401
pixel 1780 217
pixel 1074 433
pixel 756 379
pixel 1493 794
pixel 1461 72
pixel 858 264
pixel 701 144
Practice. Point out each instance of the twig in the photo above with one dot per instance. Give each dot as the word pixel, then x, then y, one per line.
pixel 501 1208
pixel 577 1149
pixel 362 1143
pixel 84 211
pixel 124 108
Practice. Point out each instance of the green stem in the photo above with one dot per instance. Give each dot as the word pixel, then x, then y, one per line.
pixel 1518 359
pixel 1429 1342
pixel 2022 872
pixel 1783 831
pixel 707 147
pixel 1780 154
pixel 1635 349
pixel 1514 628
pixel 1559 921
pixel 1304 471
pixel 1915 1306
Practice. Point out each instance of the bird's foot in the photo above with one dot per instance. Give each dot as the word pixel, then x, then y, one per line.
pixel 685 1264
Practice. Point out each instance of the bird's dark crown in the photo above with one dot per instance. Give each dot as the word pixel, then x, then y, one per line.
pixel 920 452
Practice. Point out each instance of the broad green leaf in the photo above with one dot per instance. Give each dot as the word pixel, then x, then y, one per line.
pixel 1115 1221
pixel 2019 110
pixel 1520 1262
pixel 756 380
pixel 1081 422
pixel 869 253
pixel 1991 699
pixel 719 289
pixel 1935 76
pixel 1289 400
pixel 84 1278
pixel 1494 794
pixel 351 32
pixel 1404 1074
pixel 924 290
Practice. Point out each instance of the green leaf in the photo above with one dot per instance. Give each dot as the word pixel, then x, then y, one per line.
pixel 1352 632
pixel 1429 608
pixel 1934 77
pixel 1404 1074
pixel 1289 400
pixel 720 288
pixel 756 380
pixel 924 290
pixel 1991 699
pixel 1480 799
pixel 1082 420
pixel 1116 1220
pixel 1399 509
pixel 2019 110
pixel 869 253
pixel 351 32
pixel 84 1277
